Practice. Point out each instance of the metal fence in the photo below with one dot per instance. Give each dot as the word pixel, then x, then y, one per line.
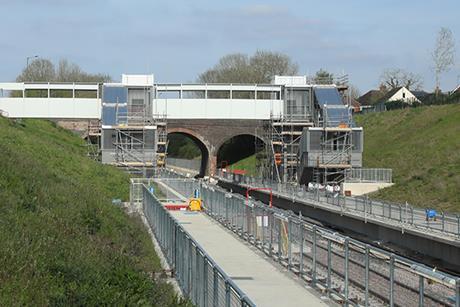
pixel 200 278
pixel 369 175
pixel 404 215
pixel 193 165
pixel 350 271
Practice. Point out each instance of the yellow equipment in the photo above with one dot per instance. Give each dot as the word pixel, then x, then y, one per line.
pixel 194 204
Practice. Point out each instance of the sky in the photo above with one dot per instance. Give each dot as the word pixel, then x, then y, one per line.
pixel 177 40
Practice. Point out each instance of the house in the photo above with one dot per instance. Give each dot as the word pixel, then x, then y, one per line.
pixel 370 100
pixel 356 106
pixel 400 94
pixel 456 90
pixel 375 100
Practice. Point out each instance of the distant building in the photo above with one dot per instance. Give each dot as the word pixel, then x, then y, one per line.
pixel 375 100
pixel 400 94
pixel 356 106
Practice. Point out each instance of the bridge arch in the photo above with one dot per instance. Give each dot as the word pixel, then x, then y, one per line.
pixel 238 147
pixel 199 141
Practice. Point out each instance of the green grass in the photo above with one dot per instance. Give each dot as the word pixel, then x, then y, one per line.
pixel 248 164
pixel 422 146
pixel 62 241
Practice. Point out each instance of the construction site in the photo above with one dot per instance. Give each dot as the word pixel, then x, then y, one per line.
pixel 305 128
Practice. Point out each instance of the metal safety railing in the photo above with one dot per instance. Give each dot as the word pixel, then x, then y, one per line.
pixel 186 164
pixel 369 175
pixel 199 277
pixel 404 215
pixel 350 271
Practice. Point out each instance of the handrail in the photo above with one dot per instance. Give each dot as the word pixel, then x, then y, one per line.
pixel 178 245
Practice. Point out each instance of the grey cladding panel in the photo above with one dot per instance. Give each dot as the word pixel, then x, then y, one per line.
pixel 315 140
pixel 357 139
pixel 108 138
pixel 150 139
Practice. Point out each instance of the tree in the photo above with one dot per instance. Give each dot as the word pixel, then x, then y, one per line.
pixel 71 72
pixel 39 70
pixel 324 77
pixel 443 54
pixel 354 91
pixel 240 68
pixel 43 70
pixel 266 65
pixel 396 77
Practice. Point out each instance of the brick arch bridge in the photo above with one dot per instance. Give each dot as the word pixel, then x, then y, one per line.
pixel 210 135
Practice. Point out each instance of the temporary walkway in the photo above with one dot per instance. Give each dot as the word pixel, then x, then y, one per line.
pixel 265 284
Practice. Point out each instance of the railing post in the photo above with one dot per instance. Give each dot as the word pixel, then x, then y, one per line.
pixel 189 277
pixel 457 293
pixel 458 225
pixel 346 243
pixel 289 243
pixel 421 290
pixel 270 222
pixel 197 281
pixel 366 276
pixel 279 240
pixel 215 293
pixel 205 281
pixel 329 265
pixel 301 248
pixel 442 220
pixel 392 277
pixel 313 277
pixel 227 293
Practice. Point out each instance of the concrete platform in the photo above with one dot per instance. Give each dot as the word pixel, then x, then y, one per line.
pixel 262 281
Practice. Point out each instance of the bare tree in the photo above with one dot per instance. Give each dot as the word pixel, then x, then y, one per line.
pixel 240 68
pixel 266 65
pixel 354 91
pixel 71 72
pixel 396 77
pixel 38 70
pixel 43 70
pixel 443 54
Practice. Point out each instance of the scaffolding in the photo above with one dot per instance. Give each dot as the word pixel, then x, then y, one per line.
pixel 283 134
pixel 133 138
pixel 303 110
pixel 336 145
pixel 93 139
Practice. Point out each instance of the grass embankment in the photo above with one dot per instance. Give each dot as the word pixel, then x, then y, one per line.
pixel 247 164
pixel 62 241
pixel 422 146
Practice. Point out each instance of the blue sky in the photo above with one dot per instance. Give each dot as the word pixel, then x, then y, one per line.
pixel 176 40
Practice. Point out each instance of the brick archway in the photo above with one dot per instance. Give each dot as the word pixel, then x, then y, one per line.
pixel 212 134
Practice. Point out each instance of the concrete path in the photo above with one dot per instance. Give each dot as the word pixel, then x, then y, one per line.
pixel 263 282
